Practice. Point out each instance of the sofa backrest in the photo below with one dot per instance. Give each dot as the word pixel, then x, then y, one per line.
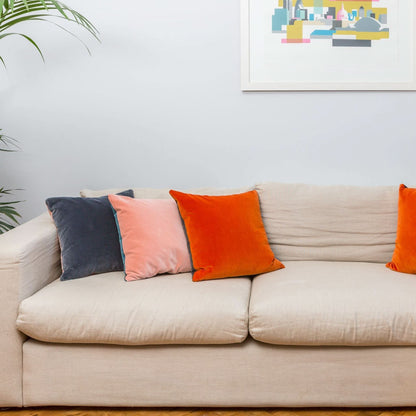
pixel 332 223
pixel 162 193
pixel 311 222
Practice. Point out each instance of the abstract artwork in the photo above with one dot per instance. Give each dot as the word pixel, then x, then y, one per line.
pixel 347 24
pixel 328 45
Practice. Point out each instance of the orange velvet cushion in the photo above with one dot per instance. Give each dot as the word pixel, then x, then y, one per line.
pixel 226 235
pixel 404 257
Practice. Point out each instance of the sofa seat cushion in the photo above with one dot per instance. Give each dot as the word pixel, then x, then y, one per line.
pixel 334 303
pixel 167 309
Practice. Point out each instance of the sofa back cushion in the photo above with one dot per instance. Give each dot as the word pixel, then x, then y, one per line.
pixel 162 193
pixel 334 223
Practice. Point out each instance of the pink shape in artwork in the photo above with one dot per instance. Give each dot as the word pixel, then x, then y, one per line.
pixel 296 41
pixel 342 14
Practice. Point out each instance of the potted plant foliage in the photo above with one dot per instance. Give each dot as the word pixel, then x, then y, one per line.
pixel 8 214
pixel 12 13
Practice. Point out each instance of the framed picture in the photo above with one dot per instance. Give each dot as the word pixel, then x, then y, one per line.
pixel 328 45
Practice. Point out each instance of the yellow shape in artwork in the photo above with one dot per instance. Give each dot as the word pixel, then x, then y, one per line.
pixel 365 35
pixel 349 6
pixel 338 4
pixel 372 35
pixel 378 11
pixel 295 31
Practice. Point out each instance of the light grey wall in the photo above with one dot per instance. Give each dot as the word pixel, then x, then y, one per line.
pixel 159 105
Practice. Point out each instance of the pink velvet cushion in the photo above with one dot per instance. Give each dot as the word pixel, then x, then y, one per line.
pixel 152 237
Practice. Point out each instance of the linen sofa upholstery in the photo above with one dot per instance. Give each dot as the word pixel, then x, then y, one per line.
pixel 166 309
pixel 330 223
pixel 322 226
pixel 29 259
pixel 251 374
pixel 155 193
pixel 333 303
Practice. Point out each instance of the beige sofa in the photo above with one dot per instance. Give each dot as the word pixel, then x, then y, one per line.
pixel 334 328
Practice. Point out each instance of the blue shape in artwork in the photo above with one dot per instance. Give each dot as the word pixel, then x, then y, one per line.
pixel 279 19
pixel 311 16
pixel 302 14
pixel 318 7
pixel 322 34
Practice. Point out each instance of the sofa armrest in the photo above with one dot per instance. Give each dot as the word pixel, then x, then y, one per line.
pixel 29 260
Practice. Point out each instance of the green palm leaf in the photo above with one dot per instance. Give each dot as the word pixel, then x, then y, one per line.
pixel 9 217
pixel 27 38
pixel 13 12
pixel 7 144
pixel 8 213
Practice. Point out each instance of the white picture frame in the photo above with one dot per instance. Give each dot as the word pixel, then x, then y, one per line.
pixel 268 64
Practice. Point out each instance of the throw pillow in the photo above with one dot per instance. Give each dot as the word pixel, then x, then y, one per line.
pixel 226 235
pixel 404 256
pixel 87 235
pixel 152 237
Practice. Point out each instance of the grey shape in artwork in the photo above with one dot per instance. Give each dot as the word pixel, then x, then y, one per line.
pixel 360 43
pixel 361 12
pixel 289 7
pixel 331 12
pixel 383 19
pixel 298 6
pixel 368 24
pixel 336 23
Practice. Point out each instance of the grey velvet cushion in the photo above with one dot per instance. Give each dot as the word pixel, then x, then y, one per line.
pixel 87 235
